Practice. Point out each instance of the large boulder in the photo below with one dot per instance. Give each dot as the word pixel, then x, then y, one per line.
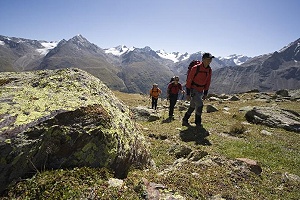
pixel 275 117
pixel 63 119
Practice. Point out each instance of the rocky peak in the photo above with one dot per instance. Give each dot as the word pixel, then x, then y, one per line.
pixel 291 52
pixel 79 38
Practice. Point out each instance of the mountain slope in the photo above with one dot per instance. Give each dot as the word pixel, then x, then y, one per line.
pixel 134 70
pixel 78 52
pixel 280 70
pixel 19 54
pixel 143 67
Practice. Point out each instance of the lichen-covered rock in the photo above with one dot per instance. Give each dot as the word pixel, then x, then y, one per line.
pixel 63 119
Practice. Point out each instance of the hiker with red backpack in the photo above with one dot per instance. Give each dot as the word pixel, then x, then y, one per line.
pixel 154 94
pixel 197 85
pixel 174 87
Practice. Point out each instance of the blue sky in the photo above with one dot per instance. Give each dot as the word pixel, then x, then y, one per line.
pixel 222 27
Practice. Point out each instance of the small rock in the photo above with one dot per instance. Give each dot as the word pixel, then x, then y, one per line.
pixel 114 182
pixel 283 93
pixel 211 108
pixel 254 166
pixel 290 177
pixel 234 98
pixel 264 132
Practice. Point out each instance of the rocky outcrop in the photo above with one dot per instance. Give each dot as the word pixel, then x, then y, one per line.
pixel 64 119
pixel 275 117
pixel 143 113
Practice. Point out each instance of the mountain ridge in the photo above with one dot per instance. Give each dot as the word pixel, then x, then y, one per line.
pixel 269 72
pixel 134 70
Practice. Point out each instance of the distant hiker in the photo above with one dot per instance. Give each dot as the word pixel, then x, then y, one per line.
pixel 154 94
pixel 173 89
pixel 197 85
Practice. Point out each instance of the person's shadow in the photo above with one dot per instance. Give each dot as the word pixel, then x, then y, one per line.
pixel 197 134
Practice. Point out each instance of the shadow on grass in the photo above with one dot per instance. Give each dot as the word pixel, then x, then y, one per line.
pixel 167 120
pixel 197 134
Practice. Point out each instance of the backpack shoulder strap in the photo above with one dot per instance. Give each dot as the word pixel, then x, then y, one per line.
pixel 197 71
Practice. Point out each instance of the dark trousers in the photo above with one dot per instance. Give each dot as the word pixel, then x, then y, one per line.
pixel 195 104
pixel 173 100
pixel 154 103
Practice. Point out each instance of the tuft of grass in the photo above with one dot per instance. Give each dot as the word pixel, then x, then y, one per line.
pixel 62 184
pixel 77 183
pixel 237 129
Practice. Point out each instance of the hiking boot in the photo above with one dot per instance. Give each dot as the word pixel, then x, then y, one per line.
pixel 198 120
pixel 185 123
pixel 185 120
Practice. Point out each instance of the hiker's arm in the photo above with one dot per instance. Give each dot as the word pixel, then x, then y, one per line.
pixel 207 82
pixel 182 90
pixel 207 86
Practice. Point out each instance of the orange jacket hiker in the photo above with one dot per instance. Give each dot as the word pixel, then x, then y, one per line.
pixel 155 92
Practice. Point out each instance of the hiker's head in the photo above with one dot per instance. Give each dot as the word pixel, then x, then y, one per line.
pixel 176 78
pixel 155 85
pixel 207 58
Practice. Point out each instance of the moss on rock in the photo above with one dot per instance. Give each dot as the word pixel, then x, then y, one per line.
pixel 62 119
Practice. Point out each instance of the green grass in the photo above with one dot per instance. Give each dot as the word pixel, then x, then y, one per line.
pixel 277 154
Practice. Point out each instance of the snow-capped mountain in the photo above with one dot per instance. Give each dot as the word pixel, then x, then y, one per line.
pixel 41 46
pixel 269 72
pixel 174 56
pixel 22 54
pixel 234 59
pixel 47 47
pixel 135 69
pixel 297 47
pixel 119 50
pixel 122 49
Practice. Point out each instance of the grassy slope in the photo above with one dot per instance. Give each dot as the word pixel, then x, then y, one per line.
pixel 277 154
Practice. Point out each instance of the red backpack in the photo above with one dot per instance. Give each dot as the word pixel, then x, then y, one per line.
pixel 192 64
